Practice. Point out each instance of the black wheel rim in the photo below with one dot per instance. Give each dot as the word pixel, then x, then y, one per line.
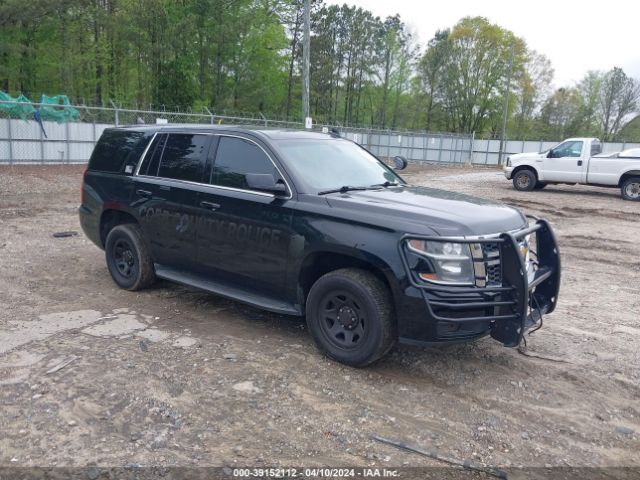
pixel 124 258
pixel 343 320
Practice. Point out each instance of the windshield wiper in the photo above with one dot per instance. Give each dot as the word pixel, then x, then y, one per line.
pixel 349 188
pixel 389 184
pixel 343 189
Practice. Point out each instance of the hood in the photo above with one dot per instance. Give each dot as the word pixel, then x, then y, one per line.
pixel 446 213
pixel 518 157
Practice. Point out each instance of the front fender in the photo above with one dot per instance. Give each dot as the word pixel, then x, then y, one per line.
pixel 316 235
pixel 529 166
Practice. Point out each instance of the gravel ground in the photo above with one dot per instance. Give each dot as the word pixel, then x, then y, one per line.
pixel 94 375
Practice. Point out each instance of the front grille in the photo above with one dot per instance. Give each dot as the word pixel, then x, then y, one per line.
pixel 491 253
pixel 486 258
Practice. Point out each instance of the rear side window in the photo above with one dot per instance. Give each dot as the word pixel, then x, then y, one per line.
pixel 183 157
pixel 235 158
pixel 114 148
pixel 151 160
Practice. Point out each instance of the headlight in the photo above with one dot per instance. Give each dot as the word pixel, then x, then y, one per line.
pixel 446 262
pixel 525 252
pixel 525 249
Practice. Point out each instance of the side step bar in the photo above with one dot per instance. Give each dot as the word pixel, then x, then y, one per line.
pixel 226 291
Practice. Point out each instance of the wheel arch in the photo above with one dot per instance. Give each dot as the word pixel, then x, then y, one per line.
pixel 318 263
pixel 111 218
pixel 519 168
pixel 626 175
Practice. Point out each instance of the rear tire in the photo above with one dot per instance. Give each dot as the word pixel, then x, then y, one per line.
pixel 630 189
pixel 524 180
pixel 128 258
pixel 350 316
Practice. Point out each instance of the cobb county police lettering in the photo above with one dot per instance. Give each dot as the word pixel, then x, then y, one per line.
pixel 237 231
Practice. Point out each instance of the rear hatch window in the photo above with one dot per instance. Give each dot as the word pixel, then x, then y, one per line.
pixel 118 149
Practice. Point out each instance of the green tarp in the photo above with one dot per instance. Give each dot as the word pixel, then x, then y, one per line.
pixel 56 108
pixel 14 108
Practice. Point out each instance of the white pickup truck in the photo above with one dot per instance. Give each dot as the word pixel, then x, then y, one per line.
pixel 577 160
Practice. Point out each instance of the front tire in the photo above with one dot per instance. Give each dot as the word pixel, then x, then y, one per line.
pixel 524 180
pixel 128 258
pixel 630 189
pixel 350 316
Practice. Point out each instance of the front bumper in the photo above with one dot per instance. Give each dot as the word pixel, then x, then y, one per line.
pixel 508 171
pixel 506 311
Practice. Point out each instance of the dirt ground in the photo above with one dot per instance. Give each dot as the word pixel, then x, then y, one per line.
pixel 94 375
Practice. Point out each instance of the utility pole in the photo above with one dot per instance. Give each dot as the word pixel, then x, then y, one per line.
pixel 305 62
pixel 505 109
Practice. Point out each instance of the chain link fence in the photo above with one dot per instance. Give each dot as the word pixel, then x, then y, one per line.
pixel 31 139
pixel 420 147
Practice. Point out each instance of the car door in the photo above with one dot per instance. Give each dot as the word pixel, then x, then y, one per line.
pixel 243 235
pixel 166 192
pixel 564 163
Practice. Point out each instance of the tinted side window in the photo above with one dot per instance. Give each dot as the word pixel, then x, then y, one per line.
pixel 151 161
pixel 183 157
pixel 235 158
pixel 113 148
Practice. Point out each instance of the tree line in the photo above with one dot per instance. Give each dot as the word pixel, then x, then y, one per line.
pixel 245 56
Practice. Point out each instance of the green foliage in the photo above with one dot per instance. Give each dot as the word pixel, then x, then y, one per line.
pixel 599 105
pixel 222 53
pixel 464 74
pixel 361 67
pixel 533 86
pixel 631 131
pixel 245 55
pixel 619 96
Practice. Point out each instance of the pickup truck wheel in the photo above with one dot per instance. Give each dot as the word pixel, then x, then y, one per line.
pixel 128 258
pixel 631 189
pixel 350 316
pixel 524 180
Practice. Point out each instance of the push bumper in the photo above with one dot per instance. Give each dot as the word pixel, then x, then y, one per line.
pixel 507 311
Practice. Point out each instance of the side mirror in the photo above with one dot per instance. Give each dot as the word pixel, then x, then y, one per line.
pixel 265 182
pixel 400 162
pixel 550 154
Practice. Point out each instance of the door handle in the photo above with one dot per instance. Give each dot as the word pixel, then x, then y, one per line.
pixel 579 163
pixel 144 193
pixel 210 205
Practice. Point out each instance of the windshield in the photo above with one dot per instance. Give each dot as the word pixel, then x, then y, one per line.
pixel 334 163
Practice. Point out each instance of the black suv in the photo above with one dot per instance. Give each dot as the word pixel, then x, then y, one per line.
pixel 305 223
